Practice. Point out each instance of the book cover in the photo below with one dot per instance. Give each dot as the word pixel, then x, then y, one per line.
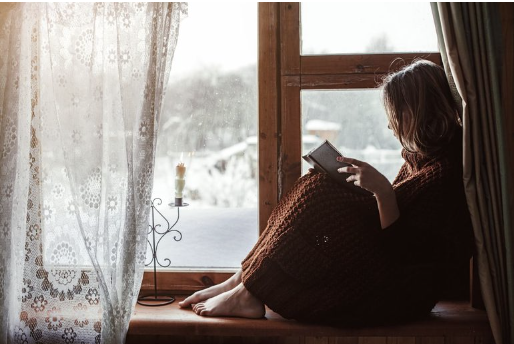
pixel 323 159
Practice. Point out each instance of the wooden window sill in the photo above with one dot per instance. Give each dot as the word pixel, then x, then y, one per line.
pixel 448 320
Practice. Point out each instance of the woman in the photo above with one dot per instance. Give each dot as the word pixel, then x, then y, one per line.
pixel 329 253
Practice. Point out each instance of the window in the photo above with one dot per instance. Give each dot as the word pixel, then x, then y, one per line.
pixel 209 123
pixel 355 122
pixel 302 78
pixel 383 27
pixel 350 114
pixel 290 87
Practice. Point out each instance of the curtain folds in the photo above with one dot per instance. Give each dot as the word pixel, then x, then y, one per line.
pixel 81 90
pixel 470 43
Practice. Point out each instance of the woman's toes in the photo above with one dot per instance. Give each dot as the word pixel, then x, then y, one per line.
pixel 198 308
pixel 187 302
pixel 190 300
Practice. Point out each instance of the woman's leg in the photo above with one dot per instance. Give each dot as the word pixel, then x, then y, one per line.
pixel 226 298
pixel 237 302
pixel 213 291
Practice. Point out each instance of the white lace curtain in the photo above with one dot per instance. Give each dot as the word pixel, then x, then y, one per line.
pixel 81 88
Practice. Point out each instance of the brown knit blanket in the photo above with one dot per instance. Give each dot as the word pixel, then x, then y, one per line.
pixel 323 254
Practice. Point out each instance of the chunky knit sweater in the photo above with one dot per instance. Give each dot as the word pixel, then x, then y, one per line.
pixel 324 255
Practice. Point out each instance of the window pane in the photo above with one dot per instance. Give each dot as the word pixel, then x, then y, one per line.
pixel 209 123
pixel 342 28
pixel 355 122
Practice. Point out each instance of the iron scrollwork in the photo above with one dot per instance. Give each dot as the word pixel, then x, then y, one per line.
pixel 153 231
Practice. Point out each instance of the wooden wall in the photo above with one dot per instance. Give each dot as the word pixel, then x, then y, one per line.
pixel 310 340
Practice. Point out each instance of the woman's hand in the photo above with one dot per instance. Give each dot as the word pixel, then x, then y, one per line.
pixel 365 176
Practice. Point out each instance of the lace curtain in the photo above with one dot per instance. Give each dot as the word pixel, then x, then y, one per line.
pixel 81 87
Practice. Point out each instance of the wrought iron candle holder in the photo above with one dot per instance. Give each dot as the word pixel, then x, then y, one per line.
pixel 154 300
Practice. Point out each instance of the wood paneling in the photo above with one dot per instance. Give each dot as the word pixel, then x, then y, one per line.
pixel 291 143
pixel 430 340
pixel 269 109
pixel 455 319
pixel 484 340
pixel 345 340
pixel 156 339
pixel 460 340
pixel 401 340
pixel 290 125
pixel 290 38
pixel 341 81
pixel 316 340
pixel 175 282
pixel 372 340
pixel 361 64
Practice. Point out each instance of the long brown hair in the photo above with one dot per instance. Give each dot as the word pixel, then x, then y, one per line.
pixel 420 107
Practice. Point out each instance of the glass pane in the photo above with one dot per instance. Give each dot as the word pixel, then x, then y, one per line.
pixel 209 123
pixel 355 122
pixel 345 27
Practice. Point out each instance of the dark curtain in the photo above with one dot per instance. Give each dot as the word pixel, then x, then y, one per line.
pixel 470 39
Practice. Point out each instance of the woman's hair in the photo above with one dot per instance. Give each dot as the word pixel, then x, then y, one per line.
pixel 420 107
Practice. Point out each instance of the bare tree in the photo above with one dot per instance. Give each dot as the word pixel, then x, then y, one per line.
pixel 210 110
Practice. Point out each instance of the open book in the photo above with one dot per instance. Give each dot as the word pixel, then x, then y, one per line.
pixel 323 159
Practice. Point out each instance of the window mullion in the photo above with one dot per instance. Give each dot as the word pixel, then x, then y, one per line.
pixel 362 63
pixel 269 108
pixel 290 120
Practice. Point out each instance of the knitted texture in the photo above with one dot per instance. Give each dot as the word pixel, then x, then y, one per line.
pixel 324 255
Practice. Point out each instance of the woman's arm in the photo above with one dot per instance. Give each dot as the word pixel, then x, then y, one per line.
pixel 387 208
pixel 367 177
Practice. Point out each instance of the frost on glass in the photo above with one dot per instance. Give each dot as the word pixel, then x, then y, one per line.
pixel 351 27
pixel 355 122
pixel 209 123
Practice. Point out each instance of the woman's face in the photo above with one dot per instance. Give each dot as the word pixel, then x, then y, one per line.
pixel 404 125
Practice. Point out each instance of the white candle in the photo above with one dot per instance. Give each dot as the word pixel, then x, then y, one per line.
pixel 181 170
pixel 180 181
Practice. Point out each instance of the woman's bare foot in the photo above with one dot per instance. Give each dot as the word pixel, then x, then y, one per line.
pixel 213 291
pixel 237 302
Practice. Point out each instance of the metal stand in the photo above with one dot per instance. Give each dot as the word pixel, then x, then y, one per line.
pixel 156 300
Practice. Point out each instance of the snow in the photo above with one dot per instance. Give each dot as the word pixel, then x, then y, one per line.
pixel 211 238
pixel 318 124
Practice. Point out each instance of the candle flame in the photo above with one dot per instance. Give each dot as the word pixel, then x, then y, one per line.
pixel 191 154
pixel 181 156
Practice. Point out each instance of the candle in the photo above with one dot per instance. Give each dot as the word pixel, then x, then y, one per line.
pixel 180 182
pixel 181 170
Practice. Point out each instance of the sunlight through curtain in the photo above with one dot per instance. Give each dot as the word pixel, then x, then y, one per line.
pixel 81 88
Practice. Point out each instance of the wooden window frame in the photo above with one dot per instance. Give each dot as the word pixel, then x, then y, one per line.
pixel 282 73
pixel 301 72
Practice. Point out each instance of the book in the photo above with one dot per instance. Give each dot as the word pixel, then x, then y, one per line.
pixel 323 159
